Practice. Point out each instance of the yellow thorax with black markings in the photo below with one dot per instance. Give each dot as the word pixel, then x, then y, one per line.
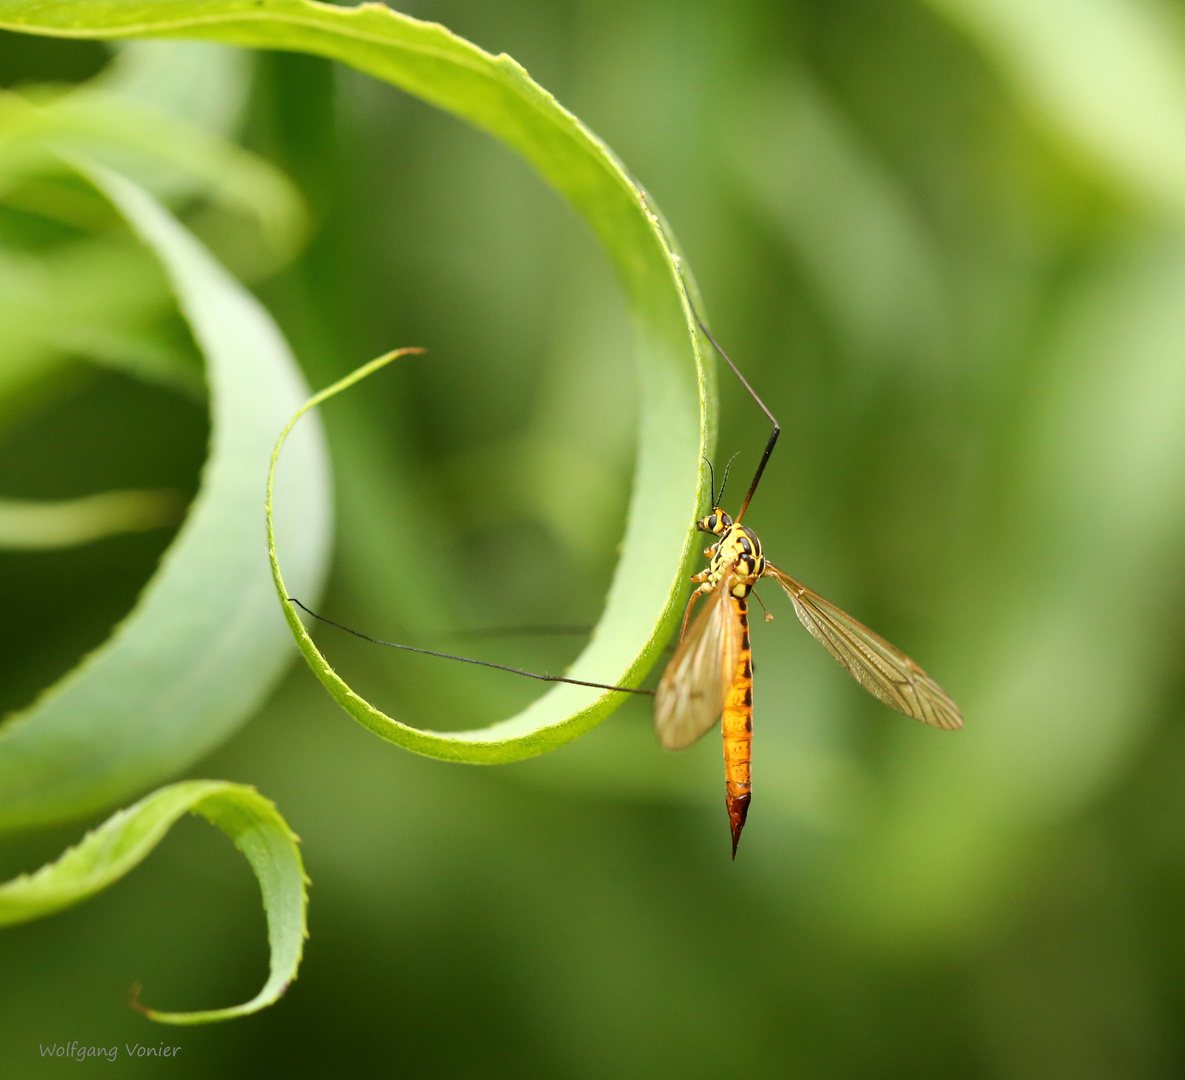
pixel 738 550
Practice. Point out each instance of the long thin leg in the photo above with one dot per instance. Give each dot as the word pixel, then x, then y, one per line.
pixel 773 437
pixel 467 659
pixel 691 603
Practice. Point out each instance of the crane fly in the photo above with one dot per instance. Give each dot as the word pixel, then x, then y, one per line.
pixel 710 676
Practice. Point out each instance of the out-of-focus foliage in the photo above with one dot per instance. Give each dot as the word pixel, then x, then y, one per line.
pixel 937 241
pixel 202 646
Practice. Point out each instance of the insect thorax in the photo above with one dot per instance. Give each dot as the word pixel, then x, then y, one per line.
pixel 738 547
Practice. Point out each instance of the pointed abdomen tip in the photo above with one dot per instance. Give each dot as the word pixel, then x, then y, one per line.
pixel 738 811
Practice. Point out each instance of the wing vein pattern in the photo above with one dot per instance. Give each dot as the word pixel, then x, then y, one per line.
pixel 690 695
pixel 883 670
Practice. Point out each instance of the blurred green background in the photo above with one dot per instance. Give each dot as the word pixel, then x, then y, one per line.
pixel 946 243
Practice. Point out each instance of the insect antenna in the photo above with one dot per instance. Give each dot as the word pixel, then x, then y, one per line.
pixel 466 659
pixel 711 480
pixel 724 482
pixel 773 436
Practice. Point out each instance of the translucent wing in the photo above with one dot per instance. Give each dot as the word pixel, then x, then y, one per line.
pixel 884 671
pixel 690 694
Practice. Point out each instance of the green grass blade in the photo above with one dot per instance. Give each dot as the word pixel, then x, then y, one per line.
pixel 203 645
pixel 107 853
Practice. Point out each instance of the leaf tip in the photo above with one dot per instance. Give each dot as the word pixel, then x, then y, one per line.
pixel 135 1002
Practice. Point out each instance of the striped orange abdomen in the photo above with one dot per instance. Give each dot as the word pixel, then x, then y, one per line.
pixel 737 727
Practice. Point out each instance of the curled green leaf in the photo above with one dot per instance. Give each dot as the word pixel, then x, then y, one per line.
pixel 105 854
pixel 204 644
pixel 677 399
pixel 494 744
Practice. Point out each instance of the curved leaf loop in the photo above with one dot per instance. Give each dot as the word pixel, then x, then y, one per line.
pixel 203 645
pixel 108 852
pixel 677 403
